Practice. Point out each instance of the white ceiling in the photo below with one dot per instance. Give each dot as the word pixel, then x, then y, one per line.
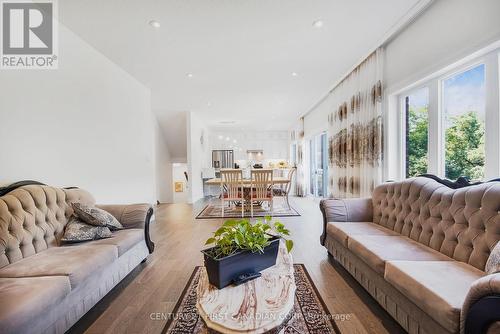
pixel 241 52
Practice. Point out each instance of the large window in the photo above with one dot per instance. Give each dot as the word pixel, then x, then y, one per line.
pixel 449 123
pixel 416 107
pixel 464 116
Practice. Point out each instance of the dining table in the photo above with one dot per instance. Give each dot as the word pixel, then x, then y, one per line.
pixel 246 182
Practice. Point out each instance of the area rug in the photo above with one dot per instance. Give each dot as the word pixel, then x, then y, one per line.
pixel 309 315
pixel 214 210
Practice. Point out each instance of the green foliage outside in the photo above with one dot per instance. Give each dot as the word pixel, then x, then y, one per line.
pixel 418 138
pixel 464 139
pixel 465 147
pixel 237 235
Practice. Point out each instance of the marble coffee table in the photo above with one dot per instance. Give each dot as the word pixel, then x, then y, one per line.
pixel 254 307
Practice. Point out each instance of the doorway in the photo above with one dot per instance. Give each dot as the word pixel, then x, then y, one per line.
pixel 180 182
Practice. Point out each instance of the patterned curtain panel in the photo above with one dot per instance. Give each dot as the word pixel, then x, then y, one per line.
pixel 356 130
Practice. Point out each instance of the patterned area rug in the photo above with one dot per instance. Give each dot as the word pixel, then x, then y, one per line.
pixel 214 210
pixel 309 315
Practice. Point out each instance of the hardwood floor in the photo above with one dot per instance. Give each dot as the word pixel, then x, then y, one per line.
pixel 155 286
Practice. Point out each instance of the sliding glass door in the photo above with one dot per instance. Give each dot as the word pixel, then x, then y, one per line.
pixel 318 155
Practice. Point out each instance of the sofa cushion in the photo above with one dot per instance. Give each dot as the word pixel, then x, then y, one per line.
pixel 95 216
pixel 342 231
pixel 23 300
pixel 376 250
pixel 493 263
pixel 123 239
pixel 439 288
pixel 78 262
pixel 78 231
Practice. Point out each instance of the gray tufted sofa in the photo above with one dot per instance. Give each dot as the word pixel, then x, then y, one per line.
pixel 45 287
pixel 420 248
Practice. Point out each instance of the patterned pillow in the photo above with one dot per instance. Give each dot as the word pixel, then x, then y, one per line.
pixel 78 231
pixel 493 263
pixel 95 216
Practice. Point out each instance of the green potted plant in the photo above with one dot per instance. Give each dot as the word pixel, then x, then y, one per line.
pixel 241 248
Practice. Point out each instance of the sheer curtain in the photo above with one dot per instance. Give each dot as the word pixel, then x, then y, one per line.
pixel 300 176
pixel 356 130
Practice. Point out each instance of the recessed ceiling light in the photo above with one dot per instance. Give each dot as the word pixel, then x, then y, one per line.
pixel 221 136
pixel 235 141
pixel 227 138
pixel 294 74
pixel 154 23
pixel 318 24
pixel 189 75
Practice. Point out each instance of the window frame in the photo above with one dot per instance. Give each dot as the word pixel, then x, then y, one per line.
pixel 461 69
pixel 404 126
pixel 436 144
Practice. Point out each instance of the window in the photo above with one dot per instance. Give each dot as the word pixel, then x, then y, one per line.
pixel 464 116
pixel 448 124
pixel 318 165
pixel 417 132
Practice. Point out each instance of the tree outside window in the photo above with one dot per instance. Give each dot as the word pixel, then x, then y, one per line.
pixel 417 132
pixel 464 117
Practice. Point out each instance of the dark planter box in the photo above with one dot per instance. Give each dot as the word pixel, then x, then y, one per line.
pixel 222 272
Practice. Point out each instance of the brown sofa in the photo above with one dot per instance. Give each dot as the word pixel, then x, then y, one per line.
pixel 45 287
pixel 420 249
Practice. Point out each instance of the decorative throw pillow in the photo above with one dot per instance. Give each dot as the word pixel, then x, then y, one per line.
pixel 493 263
pixel 78 231
pixel 95 216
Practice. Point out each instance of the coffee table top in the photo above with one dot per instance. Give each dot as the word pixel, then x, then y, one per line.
pixel 254 307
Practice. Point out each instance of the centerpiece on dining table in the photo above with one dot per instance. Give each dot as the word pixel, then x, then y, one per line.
pixel 242 249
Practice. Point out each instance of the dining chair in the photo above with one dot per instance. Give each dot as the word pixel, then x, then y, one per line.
pixel 231 188
pixel 284 189
pixel 261 188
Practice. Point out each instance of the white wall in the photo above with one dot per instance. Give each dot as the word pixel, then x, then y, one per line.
pixel 275 144
pixel 163 161
pixel 199 155
pixel 174 129
pixel 446 32
pixel 316 121
pixel 87 124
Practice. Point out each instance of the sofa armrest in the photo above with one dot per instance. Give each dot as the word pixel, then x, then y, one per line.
pixel 345 210
pixel 482 305
pixel 133 216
